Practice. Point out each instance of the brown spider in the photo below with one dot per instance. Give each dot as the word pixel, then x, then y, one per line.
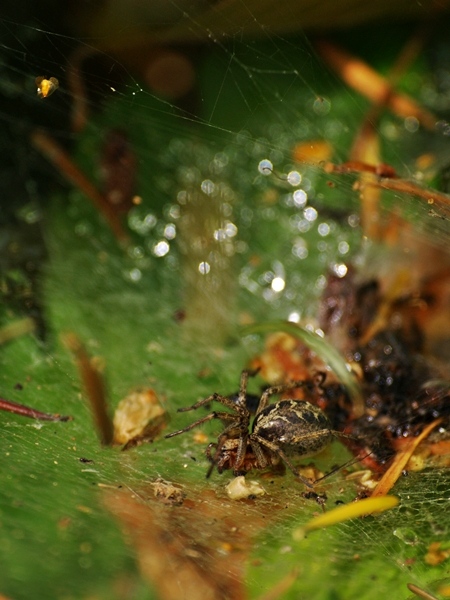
pixel 289 428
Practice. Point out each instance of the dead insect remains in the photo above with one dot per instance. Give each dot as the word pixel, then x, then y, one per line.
pixel 280 432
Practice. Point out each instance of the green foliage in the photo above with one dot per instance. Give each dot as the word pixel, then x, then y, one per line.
pixel 57 538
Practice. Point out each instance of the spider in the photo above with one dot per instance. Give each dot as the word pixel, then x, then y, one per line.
pixel 289 428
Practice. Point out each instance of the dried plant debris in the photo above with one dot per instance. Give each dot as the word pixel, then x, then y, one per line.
pixel 382 339
pixel 240 489
pixel 27 411
pixel 139 418
pixel 168 493
pixel 382 328
pixel 200 547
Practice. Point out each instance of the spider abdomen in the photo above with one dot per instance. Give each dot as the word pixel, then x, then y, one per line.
pixel 296 427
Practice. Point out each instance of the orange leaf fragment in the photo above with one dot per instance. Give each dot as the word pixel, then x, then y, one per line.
pixel 400 461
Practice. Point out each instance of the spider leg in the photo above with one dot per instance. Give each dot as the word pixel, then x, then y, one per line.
pixel 214 397
pixel 258 452
pixel 243 388
pixel 223 416
pixel 241 451
pixel 278 389
pixel 242 395
pixel 211 459
pixel 277 450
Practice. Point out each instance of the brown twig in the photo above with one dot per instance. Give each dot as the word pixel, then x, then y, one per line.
pixel 94 387
pixel 362 78
pixel 60 159
pixel 388 180
pixel 26 411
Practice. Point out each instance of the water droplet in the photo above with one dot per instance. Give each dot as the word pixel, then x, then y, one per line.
pixel 406 535
pixel 300 198
pixel 294 317
pixel 353 220
pixel 310 214
pixel 343 247
pixel 321 282
pixel 204 268
pixel 174 212
pixel 170 231
pixel 135 275
pixel 136 252
pixel 208 187
pixel 340 269
pixel 161 248
pixel 299 249
pixel 231 229
pixel 294 178
pixel 411 124
pixel 278 284
pixel 324 229
pixel 265 167
pixel 321 106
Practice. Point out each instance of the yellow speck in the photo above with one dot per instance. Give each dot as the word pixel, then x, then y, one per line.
pixel 437 553
pixel 225 547
pixel 200 437
pixel 46 87
pixel 444 591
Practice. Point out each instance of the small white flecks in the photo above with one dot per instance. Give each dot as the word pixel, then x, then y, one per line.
pixel 411 124
pixel 294 317
pixel 300 198
pixel 340 269
pixel 343 247
pixel 323 229
pixel 182 197
pixel 135 252
pixel 353 220
pixel 170 231
pixel 294 178
pixel 265 167
pixel 208 187
pixel 161 248
pixel 310 214
pixel 204 268
pixel 135 275
pixel 278 284
pixel 321 282
pixel 230 229
pixel 174 212
pixel 321 106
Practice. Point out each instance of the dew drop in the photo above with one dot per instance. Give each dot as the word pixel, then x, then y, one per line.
pixel 265 167
pixel 161 248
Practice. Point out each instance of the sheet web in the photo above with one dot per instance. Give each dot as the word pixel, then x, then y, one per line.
pixel 217 164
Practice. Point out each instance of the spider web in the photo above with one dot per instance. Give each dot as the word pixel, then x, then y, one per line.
pixel 217 164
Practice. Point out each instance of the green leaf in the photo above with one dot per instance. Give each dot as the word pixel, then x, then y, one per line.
pixel 169 317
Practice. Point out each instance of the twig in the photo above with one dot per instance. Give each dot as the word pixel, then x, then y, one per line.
pixel 400 461
pixel 26 411
pixel 94 386
pixel 60 159
pixel 362 78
